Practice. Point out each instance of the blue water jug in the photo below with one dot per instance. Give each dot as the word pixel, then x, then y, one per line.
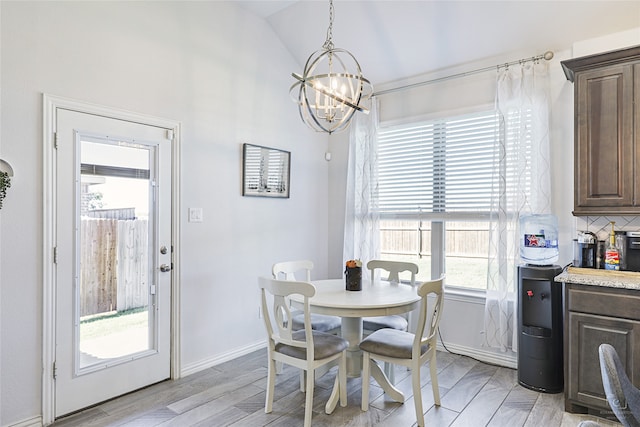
pixel 539 239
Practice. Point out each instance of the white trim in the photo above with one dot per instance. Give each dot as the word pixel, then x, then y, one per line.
pixel 507 359
pixel 468 295
pixel 176 191
pixel 208 363
pixel 29 422
pixel 48 275
pixel 49 105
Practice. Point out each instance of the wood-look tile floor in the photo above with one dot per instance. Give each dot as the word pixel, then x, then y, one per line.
pixel 472 394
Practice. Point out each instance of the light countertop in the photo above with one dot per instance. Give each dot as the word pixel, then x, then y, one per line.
pixel 594 277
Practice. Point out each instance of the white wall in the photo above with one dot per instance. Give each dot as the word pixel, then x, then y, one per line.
pixel 195 62
pixel 462 322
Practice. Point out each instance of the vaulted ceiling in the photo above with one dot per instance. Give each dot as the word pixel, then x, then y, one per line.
pixel 395 40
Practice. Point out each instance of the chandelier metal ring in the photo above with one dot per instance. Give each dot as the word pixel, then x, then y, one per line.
pixel 327 93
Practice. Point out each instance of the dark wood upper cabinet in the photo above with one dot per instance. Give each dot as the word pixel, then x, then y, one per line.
pixel 607 132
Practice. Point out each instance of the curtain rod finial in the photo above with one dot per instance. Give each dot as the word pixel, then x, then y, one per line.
pixel 548 55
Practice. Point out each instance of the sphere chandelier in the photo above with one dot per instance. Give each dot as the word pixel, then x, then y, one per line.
pixel 327 93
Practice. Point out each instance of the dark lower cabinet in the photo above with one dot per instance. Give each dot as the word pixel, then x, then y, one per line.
pixel 596 315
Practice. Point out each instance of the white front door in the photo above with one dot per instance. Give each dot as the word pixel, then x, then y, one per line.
pixel 113 256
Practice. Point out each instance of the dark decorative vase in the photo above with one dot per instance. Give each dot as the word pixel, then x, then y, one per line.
pixel 353 278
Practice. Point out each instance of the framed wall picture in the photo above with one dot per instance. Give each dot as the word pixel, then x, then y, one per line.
pixel 265 171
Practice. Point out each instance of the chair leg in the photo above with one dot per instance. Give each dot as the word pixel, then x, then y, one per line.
pixel 366 370
pixel 271 384
pixel 417 394
pixel 434 379
pixel 308 407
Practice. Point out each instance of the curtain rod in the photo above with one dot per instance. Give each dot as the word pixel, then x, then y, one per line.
pixel 548 55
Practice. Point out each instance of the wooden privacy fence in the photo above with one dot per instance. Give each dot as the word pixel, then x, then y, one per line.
pixel 113 265
pixel 464 239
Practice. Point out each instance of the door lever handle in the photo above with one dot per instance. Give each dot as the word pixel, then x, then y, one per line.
pixel 165 267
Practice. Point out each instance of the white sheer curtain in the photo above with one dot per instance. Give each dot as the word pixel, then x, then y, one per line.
pixel 521 186
pixel 361 227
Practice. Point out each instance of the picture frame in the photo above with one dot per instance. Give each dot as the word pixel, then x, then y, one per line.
pixel 265 171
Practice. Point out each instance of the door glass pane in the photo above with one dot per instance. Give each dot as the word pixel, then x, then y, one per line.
pixel 115 260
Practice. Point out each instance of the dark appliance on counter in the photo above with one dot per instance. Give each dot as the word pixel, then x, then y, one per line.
pixel 632 255
pixel 540 326
pixel 585 250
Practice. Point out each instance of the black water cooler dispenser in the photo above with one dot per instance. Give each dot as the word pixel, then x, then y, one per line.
pixel 540 359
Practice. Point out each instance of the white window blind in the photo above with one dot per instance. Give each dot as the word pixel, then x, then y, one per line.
pixel 437 168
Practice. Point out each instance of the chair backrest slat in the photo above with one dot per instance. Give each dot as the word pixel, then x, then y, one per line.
pixel 436 288
pixel 394 268
pixel 287 270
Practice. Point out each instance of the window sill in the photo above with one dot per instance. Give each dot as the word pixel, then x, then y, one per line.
pixel 456 293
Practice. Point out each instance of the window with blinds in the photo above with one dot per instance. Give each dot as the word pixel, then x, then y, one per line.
pixel 444 171
pixel 439 167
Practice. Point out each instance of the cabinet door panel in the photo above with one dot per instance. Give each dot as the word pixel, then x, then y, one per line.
pixel 636 137
pixel 604 132
pixel 587 332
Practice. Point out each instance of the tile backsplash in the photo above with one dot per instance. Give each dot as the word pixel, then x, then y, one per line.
pixel 600 225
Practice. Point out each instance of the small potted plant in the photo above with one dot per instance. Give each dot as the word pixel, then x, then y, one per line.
pixel 5 183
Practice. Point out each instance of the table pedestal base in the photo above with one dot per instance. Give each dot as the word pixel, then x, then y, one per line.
pixel 352 332
pixel 380 378
pixel 384 383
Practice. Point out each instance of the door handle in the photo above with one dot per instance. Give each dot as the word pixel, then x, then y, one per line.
pixel 165 267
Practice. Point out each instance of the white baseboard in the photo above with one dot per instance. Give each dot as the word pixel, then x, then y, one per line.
pixel 208 363
pixel 507 359
pixel 29 422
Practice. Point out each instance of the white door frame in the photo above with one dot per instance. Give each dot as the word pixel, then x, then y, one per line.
pixel 50 104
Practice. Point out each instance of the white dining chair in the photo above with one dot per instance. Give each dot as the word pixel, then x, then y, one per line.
pixel 301 269
pixel 393 321
pixel 407 349
pixel 305 348
pixel 287 270
pixel 393 269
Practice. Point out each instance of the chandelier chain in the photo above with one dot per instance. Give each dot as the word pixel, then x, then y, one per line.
pixel 328 43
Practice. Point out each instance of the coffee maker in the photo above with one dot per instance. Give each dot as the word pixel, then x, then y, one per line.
pixel 585 250
pixel 633 251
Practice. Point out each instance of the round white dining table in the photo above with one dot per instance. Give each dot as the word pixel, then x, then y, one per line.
pixel 377 298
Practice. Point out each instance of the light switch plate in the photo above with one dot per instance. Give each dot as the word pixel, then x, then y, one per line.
pixel 195 214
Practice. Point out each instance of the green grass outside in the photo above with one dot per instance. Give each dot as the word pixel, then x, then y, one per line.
pixel 462 272
pixel 100 326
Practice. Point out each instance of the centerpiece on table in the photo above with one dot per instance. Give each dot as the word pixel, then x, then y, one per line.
pixel 353 275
